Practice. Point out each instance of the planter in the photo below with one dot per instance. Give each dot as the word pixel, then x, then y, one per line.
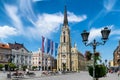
pixel 100 71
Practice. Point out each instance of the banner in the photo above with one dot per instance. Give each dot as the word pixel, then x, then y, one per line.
pixel 48 45
pixel 43 39
pixel 52 47
pixel 56 48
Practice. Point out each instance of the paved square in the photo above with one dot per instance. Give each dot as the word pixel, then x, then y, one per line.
pixel 83 75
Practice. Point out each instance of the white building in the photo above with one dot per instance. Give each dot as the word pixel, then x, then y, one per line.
pixel 20 55
pixel 42 61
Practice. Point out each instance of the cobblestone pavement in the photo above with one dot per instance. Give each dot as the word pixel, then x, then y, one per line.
pixel 69 76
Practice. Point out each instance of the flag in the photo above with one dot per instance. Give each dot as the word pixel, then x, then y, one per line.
pixel 56 48
pixel 52 47
pixel 43 39
pixel 48 45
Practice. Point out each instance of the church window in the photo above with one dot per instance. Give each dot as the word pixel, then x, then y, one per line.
pixel 64 32
pixel 64 39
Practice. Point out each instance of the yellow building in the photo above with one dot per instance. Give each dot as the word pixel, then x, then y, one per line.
pixel 69 59
pixel 111 63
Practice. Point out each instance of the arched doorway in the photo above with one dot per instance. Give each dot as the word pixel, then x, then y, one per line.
pixel 64 66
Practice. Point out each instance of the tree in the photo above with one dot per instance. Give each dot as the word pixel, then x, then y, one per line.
pixel 34 67
pixel 12 66
pixel 24 67
pixel 88 55
pixel 100 69
pixel 1 66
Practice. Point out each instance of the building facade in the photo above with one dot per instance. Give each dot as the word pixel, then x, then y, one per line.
pixel 5 53
pixel 20 55
pixel 77 59
pixel 116 56
pixel 111 63
pixel 68 59
pixel 42 61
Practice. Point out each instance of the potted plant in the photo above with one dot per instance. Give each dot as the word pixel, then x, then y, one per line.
pixel 100 69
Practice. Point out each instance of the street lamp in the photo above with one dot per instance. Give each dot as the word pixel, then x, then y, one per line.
pixel 105 33
pixel 9 61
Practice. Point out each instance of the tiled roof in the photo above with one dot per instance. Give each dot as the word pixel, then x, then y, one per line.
pixel 5 46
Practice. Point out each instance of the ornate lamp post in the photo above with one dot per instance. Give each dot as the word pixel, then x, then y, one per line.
pixel 105 33
pixel 9 61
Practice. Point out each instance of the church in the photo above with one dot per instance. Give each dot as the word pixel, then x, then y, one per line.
pixel 68 58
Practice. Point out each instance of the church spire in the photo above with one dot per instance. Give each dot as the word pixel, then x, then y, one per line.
pixel 65 17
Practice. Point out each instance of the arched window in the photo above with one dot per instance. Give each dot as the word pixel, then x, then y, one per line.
pixel 64 39
pixel 64 32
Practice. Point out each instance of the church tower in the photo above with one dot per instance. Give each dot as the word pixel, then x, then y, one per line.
pixel 64 50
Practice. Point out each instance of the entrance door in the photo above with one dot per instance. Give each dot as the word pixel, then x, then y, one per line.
pixel 64 66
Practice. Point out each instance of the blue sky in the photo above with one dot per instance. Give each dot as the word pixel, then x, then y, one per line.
pixel 25 21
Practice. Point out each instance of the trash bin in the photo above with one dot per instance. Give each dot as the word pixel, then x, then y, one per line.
pixel 8 76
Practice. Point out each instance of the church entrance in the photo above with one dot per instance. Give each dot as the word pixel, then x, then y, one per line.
pixel 64 66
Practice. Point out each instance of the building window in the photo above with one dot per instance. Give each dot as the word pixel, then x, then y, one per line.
pixel 1 57
pixel 22 50
pixel 17 61
pixel 64 32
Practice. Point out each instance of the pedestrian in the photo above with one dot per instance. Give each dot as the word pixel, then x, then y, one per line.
pixel 27 71
pixel 118 72
pixel 3 70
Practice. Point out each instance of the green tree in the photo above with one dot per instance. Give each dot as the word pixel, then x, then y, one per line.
pixel 34 67
pixel 88 55
pixel 24 67
pixel 1 66
pixel 12 66
pixel 100 70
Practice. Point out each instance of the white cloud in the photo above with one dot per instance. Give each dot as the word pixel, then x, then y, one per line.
pixel 26 9
pixel 12 12
pixel 43 24
pixel 109 4
pixel 49 23
pixel 6 31
pixel 96 32
pixel 73 18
